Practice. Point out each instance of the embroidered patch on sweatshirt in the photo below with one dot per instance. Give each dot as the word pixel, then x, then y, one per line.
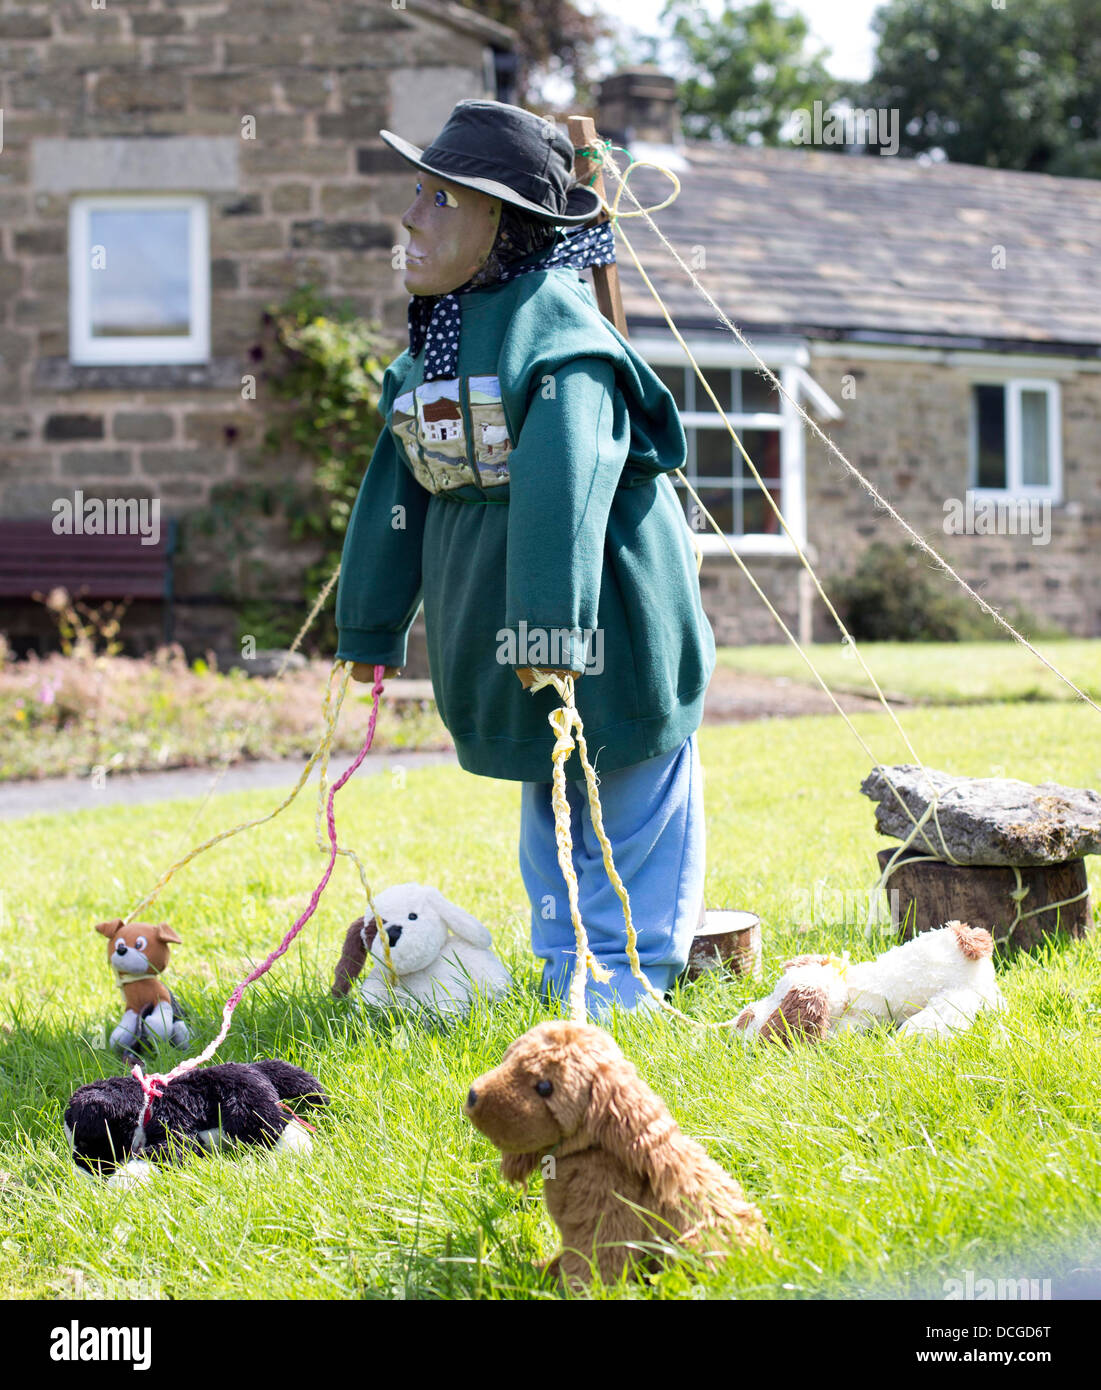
pixel 453 433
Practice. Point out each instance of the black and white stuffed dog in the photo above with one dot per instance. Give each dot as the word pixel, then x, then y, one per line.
pixel 197 1112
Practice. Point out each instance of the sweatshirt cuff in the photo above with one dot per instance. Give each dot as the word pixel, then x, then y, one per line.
pixel 556 647
pixel 372 647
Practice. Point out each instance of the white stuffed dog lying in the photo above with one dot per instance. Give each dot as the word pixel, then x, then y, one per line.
pixel 441 955
pixel 933 984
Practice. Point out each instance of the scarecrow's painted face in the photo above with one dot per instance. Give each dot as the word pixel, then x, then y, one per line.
pixel 451 232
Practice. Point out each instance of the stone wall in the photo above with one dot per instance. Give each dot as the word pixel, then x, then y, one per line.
pixel 150 95
pixel 736 613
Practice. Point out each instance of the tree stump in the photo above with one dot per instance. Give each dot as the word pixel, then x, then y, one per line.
pixel 726 940
pixel 924 894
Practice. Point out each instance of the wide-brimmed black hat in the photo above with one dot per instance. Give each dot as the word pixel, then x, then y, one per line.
pixel 509 153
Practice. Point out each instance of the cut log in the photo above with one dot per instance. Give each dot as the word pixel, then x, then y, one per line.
pixel 924 894
pixel 726 940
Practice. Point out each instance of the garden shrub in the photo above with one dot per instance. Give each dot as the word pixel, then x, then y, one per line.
pixel 896 594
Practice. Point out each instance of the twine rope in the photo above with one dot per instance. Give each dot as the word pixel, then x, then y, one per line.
pixel 330 715
pixel 1021 892
pixel 616 215
pixel 847 638
pixel 566 721
pixel 614 212
pixel 865 483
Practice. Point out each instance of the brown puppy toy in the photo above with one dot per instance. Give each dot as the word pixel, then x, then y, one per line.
pixel 138 954
pixel 618 1171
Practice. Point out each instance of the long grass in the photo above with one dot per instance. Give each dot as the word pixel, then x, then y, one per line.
pixel 883 1169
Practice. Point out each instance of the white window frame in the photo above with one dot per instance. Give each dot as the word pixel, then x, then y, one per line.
pixel 84 349
pixel 789 361
pixel 1013 387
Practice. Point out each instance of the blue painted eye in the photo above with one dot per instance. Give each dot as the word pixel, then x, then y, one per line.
pixel 441 198
pixel 419 187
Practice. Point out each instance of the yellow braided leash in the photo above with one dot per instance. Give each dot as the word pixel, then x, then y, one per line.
pixel 570 732
pixel 562 721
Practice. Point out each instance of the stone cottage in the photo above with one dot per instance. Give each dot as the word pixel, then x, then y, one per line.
pixel 213 154
pixel 443 420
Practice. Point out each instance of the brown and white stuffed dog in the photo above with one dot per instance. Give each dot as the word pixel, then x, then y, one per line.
pixel 618 1173
pixel 138 954
pixel 929 986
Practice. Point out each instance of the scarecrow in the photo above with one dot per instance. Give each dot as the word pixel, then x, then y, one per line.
pixel 520 490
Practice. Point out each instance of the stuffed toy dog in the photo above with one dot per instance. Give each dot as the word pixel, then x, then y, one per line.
pixel 618 1172
pixel 138 954
pixel 933 984
pixel 441 954
pixel 197 1112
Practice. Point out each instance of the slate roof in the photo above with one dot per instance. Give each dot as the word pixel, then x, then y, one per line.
pixel 874 247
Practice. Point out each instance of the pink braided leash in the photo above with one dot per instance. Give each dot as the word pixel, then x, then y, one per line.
pixel 153 1086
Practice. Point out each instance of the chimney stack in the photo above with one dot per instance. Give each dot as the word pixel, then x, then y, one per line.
pixel 638 105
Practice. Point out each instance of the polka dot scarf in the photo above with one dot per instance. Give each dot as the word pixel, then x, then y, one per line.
pixel 435 320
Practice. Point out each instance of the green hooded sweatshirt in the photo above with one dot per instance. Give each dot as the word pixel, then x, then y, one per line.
pixel 527 504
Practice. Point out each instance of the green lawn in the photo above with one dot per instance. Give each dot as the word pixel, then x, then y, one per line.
pixel 951 673
pixel 882 1169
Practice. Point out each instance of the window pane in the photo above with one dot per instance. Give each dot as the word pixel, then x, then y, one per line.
pixel 989 408
pixel 758 393
pixel 763 447
pixel 720 503
pixel 140 283
pixel 757 515
pixel 718 378
pixel 714 454
pixel 1034 460
pixel 673 377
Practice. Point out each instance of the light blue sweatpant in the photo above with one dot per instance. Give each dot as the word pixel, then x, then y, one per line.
pixel 653 816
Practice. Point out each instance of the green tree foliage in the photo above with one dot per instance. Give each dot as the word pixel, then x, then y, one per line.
pixel 749 67
pixel 328 367
pixel 1017 86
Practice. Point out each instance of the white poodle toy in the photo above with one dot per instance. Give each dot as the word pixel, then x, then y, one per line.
pixel 934 984
pixel 441 955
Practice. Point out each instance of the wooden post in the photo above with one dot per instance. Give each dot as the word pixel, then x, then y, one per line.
pixel 605 277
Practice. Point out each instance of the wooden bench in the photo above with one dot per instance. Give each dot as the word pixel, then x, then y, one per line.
pixel 35 559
